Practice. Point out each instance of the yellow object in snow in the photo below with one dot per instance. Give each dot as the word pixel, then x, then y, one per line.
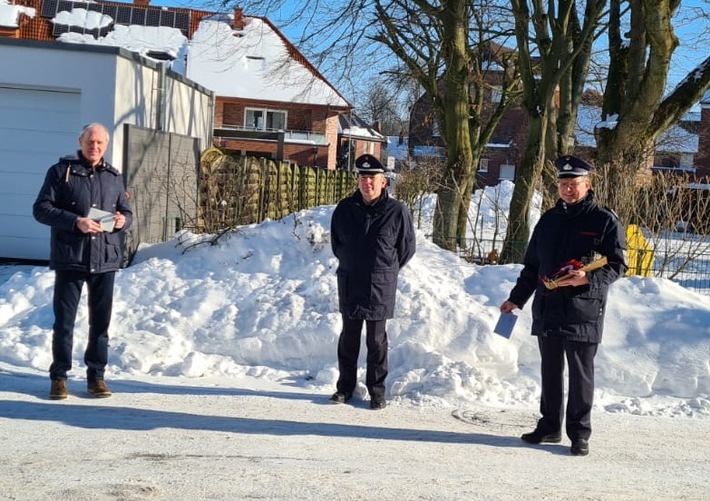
pixel 639 252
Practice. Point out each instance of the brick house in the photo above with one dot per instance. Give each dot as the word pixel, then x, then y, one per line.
pixel 355 138
pixel 502 154
pixel 684 148
pixel 270 100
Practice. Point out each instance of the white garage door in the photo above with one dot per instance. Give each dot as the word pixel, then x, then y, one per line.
pixel 36 128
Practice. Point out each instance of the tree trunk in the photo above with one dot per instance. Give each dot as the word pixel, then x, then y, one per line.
pixel 455 127
pixel 517 236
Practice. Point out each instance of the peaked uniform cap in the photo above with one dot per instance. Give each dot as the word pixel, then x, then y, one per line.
pixel 368 164
pixel 569 166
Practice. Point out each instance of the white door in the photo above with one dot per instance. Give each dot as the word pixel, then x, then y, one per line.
pixel 37 127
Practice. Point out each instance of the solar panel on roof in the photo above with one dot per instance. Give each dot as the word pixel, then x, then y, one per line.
pixel 63 5
pixel 123 15
pixel 59 29
pixel 182 21
pixel 138 16
pixel 49 8
pixel 167 18
pixel 110 11
pixel 152 17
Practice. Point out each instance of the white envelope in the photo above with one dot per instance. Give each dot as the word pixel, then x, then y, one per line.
pixel 106 219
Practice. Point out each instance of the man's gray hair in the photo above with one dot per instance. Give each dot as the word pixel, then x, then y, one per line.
pixel 92 127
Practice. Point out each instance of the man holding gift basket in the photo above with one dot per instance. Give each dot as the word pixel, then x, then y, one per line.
pixel 576 252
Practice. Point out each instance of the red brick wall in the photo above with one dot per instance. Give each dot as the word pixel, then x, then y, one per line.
pixel 230 112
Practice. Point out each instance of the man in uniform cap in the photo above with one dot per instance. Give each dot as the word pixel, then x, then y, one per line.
pixel 373 238
pixel 368 164
pixel 569 166
pixel 568 320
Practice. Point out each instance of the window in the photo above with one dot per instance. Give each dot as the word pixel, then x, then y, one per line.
pixel 686 160
pixel 483 165
pixel 507 171
pixel 496 94
pixel 263 119
pixel 435 129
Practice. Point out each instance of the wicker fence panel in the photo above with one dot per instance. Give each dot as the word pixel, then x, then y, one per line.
pixel 236 190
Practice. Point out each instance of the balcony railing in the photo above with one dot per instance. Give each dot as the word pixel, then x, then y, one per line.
pixel 289 136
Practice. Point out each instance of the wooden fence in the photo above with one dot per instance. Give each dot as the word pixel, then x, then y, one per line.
pixel 238 190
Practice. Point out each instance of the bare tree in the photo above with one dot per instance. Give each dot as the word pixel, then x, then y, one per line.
pixel 636 108
pixel 382 104
pixel 443 46
pixel 554 48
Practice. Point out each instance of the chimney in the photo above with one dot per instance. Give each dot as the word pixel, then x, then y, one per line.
pixel 238 19
pixel 377 126
pixel 141 3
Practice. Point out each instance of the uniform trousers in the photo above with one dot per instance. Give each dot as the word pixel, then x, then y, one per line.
pixel 67 293
pixel 580 361
pixel 349 349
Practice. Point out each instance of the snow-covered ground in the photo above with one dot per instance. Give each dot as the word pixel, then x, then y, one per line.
pixel 223 356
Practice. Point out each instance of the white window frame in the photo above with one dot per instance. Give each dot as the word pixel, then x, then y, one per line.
pixel 435 132
pixel 260 123
pixel 496 94
pixel 483 165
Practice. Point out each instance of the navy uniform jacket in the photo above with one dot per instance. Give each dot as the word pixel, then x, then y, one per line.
pixel 564 233
pixel 372 243
pixel 70 189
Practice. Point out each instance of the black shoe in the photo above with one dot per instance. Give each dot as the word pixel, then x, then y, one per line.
pixel 340 398
pixel 540 437
pixel 580 447
pixel 377 402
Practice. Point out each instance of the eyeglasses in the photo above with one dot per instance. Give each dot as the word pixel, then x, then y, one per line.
pixel 567 184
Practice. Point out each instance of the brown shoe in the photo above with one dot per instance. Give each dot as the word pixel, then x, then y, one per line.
pixel 59 389
pixel 98 389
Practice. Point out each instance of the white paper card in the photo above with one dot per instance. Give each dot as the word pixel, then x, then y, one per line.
pixel 106 219
pixel 505 324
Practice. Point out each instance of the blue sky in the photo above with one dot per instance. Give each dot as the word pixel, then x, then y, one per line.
pixel 692 50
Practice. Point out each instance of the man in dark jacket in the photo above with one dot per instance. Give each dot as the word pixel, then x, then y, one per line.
pixel 373 238
pixel 568 315
pixel 86 247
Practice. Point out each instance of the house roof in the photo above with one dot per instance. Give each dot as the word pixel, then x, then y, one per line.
pixel 675 140
pixel 255 61
pixel 397 147
pixel 10 14
pixel 352 126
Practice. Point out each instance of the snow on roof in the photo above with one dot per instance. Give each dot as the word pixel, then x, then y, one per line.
pixel 252 63
pixel 353 126
pixel 678 140
pixel 140 39
pixel 81 17
pixel 397 149
pixel 674 140
pixel 136 38
pixel 692 116
pixel 10 14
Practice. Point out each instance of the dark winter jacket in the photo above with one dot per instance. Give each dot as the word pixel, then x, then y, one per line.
pixel 372 243
pixel 564 233
pixel 71 187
